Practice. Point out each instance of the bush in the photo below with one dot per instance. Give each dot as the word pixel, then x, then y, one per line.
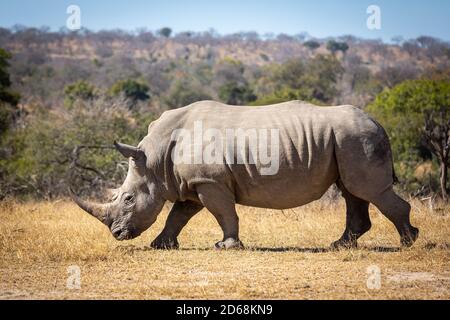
pixel 6 117
pixel 132 90
pixel 43 150
pixel 80 90
pixel 334 46
pixel 401 111
pixel 182 94
pixel 312 81
pixel 235 94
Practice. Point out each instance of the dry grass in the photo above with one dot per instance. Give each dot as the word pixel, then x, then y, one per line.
pixel 286 257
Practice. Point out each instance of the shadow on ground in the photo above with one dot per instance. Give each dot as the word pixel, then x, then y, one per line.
pixel 323 250
pixel 132 248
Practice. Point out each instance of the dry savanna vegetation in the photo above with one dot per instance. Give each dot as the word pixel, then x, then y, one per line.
pixel 65 96
pixel 287 256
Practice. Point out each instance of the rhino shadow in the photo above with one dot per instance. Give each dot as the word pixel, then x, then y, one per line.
pixel 322 250
pixel 132 248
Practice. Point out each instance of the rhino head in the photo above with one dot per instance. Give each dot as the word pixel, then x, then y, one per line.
pixel 133 207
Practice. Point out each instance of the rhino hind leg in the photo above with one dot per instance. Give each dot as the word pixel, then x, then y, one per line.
pixel 357 220
pixel 367 173
pixel 220 202
pixel 397 211
pixel 179 216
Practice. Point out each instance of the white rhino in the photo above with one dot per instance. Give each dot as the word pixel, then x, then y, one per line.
pixel 315 148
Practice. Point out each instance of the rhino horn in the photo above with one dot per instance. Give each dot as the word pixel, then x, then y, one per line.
pixel 129 151
pixel 98 210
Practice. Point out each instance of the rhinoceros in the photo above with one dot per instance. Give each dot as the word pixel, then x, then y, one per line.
pixel 313 147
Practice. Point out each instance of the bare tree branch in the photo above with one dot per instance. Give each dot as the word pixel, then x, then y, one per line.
pixel 437 136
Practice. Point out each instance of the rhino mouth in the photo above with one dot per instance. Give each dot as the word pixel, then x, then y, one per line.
pixel 121 234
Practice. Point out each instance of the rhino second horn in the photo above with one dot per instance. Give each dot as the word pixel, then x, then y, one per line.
pixel 98 210
pixel 129 151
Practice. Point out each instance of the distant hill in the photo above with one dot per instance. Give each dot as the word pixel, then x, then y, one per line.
pixel 105 57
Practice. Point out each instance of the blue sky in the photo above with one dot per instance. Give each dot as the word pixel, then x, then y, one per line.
pixel 320 18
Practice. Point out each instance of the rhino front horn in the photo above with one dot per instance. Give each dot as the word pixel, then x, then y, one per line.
pixel 98 210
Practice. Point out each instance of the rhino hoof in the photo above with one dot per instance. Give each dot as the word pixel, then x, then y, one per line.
pixel 229 243
pixel 164 244
pixel 343 244
pixel 411 237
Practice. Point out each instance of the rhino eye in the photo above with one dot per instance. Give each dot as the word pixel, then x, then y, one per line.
pixel 128 198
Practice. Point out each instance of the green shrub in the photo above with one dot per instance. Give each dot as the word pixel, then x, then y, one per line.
pixel 131 89
pixel 401 111
pixel 80 90
pixel 43 150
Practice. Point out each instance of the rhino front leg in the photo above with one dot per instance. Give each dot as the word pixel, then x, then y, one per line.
pixel 179 216
pixel 220 202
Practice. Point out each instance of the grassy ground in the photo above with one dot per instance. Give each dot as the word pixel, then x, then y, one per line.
pixel 286 257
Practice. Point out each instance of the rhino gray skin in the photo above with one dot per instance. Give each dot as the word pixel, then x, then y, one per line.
pixel 319 146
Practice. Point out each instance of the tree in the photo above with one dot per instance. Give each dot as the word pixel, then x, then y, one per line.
pixel 8 111
pixel 8 98
pixel 182 94
pixel 50 142
pixel 228 70
pixel 394 75
pixel 80 90
pixel 236 94
pixel 334 46
pixel 322 77
pixel 312 45
pixel 284 95
pixel 401 110
pixel 435 47
pixel 6 95
pixel 6 117
pixel 437 137
pixel 132 90
pixel 313 81
pixel 165 32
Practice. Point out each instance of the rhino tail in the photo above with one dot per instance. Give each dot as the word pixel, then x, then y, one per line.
pixel 394 176
pixel 389 149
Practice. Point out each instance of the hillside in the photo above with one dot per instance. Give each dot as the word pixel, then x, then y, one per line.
pixel 44 60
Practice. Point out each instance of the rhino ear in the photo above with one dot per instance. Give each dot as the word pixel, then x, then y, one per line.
pixel 129 151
